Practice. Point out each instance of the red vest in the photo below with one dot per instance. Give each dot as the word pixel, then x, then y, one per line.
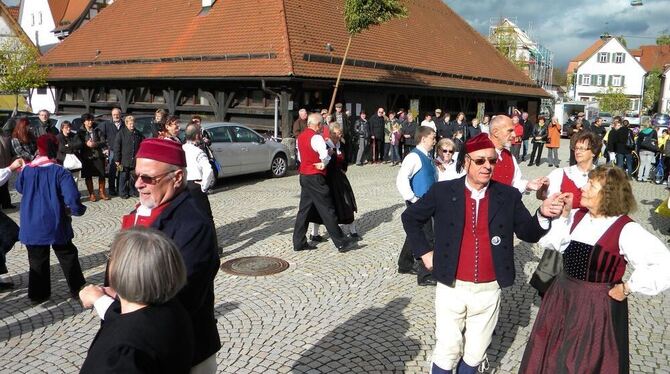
pixel 504 170
pixel 568 185
pixel 308 156
pixel 475 261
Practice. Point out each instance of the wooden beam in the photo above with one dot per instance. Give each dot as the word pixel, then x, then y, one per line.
pixel 285 114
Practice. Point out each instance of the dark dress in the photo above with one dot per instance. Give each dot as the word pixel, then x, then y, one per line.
pixel 341 192
pixel 154 339
pixel 580 328
pixel 92 159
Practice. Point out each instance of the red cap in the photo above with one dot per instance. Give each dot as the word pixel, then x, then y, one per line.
pixel 480 141
pixel 47 145
pixel 162 150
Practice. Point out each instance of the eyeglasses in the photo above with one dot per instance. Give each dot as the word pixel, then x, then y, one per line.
pixel 448 151
pixel 582 149
pixel 147 179
pixel 481 161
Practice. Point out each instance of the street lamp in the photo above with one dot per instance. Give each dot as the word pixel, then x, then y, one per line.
pixel 636 2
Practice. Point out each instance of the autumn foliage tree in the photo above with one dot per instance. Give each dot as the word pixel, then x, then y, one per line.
pixel 20 70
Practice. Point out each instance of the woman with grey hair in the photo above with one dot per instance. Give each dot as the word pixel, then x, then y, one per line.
pixel 144 328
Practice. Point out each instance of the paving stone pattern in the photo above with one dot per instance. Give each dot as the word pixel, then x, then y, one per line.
pixel 329 312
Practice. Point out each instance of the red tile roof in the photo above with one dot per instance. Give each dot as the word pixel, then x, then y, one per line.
pixel 588 52
pixel 654 56
pixel 282 38
pixel 14 12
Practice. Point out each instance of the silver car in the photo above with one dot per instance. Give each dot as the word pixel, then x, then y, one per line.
pixel 241 150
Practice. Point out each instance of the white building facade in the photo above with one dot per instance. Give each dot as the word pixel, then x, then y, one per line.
pixel 611 65
pixel 664 102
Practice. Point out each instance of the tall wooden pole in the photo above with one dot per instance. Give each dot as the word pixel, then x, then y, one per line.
pixel 339 74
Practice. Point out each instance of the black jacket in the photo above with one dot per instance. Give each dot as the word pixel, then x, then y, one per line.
pixel 377 124
pixel 539 134
pixel 445 203
pixel 617 140
pixel 193 233
pixel 409 129
pixel 528 128
pixel 126 145
pixel 95 135
pixel 109 130
pixel 70 144
pixel 472 131
pixel 362 128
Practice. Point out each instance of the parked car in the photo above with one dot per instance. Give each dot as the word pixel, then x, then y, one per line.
pixel 606 117
pixel 241 150
pixel 661 121
pixel 5 116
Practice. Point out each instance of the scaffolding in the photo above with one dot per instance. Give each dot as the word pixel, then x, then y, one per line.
pixel 522 50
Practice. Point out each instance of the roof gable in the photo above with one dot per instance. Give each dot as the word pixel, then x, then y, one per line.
pixel 594 53
pixel 13 24
pixel 654 56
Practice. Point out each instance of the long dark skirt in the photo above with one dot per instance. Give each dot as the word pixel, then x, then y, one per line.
pixel 343 199
pixel 579 329
pixel 92 167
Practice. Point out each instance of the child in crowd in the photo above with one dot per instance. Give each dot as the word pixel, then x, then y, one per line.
pixel 395 144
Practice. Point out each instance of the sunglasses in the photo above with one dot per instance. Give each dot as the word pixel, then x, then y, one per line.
pixel 147 179
pixel 481 161
pixel 448 151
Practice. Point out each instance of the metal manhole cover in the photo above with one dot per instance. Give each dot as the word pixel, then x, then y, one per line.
pixel 254 266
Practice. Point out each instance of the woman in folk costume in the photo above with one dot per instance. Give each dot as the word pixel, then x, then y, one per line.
pixel 582 325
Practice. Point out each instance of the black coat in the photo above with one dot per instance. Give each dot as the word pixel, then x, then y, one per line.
pixel 154 339
pixel 528 128
pixel 362 128
pixel 616 142
pixel 377 125
pixel 539 134
pixel 70 144
pixel 409 129
pixel 193 232
pixel 126 145
pixel 472 132
pixel 109 131
pixel 445 203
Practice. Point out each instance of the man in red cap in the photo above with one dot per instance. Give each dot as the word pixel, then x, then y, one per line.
pixel 166 205
pixel 474 252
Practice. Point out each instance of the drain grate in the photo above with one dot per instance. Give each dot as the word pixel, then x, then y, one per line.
pixel 254 266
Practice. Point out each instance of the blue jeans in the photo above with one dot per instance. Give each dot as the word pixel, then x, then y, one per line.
pixel 628 159
pixel 395 153
pixel 525 149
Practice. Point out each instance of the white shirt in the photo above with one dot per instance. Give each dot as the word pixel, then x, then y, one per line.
pixel 484 127
pixel 430 124
pixel 319 145
pixel 648 256
pixel 517 181
pixel 409 167
pixel 198 166
pixel 449 172
pixel 4 175
pixel 556 178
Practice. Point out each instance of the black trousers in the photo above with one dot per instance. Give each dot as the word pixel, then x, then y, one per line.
pixel 5 198
pixel 200 198
pixel 315 194
pixel 537 150
pixel 127 182
pixel 378 155
pixel 406 260
pixel 39 277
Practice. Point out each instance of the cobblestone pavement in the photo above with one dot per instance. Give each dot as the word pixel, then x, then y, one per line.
pixel 329 312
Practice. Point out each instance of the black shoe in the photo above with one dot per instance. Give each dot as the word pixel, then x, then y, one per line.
pixel 113 193
pixel 531 164
pixel 306 247
pixel 318 238
pixel 355 236
pixel 125 197
pixel 428 281
pixel 38 301
pixel 346 246
pixel 6 286
pixel 537 164
pixel 406 271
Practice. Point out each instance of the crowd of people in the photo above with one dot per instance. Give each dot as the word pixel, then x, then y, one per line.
pixel 462 185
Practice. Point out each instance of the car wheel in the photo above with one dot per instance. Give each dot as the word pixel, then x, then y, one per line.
pixel 278 166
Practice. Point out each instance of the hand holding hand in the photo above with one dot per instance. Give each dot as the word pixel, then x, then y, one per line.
pixel 428 260
pixel 567 198
pixel 536 183
pixel 552 206
pixel 320 166
pixel 90 294
pixel 17 164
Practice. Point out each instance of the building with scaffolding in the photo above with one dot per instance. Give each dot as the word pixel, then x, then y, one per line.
pixel 525 52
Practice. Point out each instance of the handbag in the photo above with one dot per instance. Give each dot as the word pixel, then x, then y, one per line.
pixel 649 143
pixel 663 209
pixel 547 269
pixel 71 162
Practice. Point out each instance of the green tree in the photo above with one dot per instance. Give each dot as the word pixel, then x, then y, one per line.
pixel 613 101
pixel 663 39
pixel 505 41
pixel 20 70
pixel 360 15
pixel 652 89
pixel 622 40
pixel 559 77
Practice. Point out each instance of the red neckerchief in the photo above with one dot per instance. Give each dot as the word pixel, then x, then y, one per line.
pixel 132 219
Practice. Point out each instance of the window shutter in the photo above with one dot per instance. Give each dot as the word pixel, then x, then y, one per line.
pixel 622 80
pixel 623 60
pixel 609 82
pixel 579 79
pixel 608 57
pixel 603 82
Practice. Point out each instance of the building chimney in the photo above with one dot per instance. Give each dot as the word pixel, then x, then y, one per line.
pixel 207 3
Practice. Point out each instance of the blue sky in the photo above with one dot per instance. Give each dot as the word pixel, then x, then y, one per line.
pixel 567 27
